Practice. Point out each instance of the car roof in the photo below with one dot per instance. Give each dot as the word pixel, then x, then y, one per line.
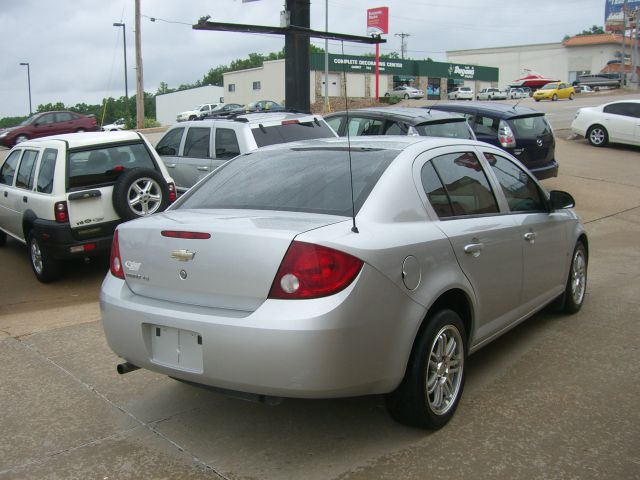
pixel 500 110
pixel 253 119
pixel 76 140
pixel 413 116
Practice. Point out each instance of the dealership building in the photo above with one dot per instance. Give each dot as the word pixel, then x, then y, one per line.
pixel 564 61
pixel 359 75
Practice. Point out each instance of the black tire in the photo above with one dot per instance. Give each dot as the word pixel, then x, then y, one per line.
pixel 572 96
pixel 537 99
pixel 3 238
pixel 554 98
pixel 406 96
pixel 20 138
pixel 192 117
pixel 597 136
pixel 151 189
pixel 573 297
pixel 45 268
pixel 387 94
pixel 411 402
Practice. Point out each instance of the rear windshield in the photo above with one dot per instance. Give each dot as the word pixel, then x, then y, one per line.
pixel 530 127
pixel 290 133
pixel 314 180
pixel 105 165
pixel 456 128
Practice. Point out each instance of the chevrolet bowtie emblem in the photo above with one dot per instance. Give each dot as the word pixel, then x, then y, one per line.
pixel 183 255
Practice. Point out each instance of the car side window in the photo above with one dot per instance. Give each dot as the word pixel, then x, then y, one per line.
pixel 486 125
pixel 63 117
pixel 26 169
pixel 8 170
pixel 365 126
pixel 226 143
pixel 465 184
pixel 170 143
pixel 521 192
pixel 334 123
pixel 197 142
pixel 394 128
pixel 435 191
pixel 47 169
pixel 624 109
pixel 46 119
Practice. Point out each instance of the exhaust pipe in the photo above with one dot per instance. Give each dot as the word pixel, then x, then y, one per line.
pixel 126 367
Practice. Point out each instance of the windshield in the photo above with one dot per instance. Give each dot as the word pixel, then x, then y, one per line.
pixel 455 128
pixel 314 180
pixel 550 86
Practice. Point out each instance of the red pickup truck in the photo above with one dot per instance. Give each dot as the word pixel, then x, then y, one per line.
pixel 48 123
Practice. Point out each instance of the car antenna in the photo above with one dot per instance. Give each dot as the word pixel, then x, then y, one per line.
pixel 354 228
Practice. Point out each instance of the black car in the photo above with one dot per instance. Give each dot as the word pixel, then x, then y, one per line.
pixel 523 132
pixel 224 111
pixel 399 121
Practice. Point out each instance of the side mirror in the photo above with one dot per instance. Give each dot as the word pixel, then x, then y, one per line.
pixel 560 199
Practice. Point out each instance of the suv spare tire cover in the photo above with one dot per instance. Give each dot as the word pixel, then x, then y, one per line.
pixel 121 191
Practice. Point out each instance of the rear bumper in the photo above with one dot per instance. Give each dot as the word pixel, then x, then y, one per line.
pixel 59 241
pixel 548 171
pixel 356 342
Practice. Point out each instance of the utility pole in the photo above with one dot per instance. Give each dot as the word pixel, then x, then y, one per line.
pixel 634 73
pixel 403 44
pixel 126 86
pixel 326 57
pixel 296 62
pixel 139 81
pixel 26 64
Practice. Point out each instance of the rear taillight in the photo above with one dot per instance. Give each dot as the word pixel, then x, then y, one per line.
pixel 185 235
pixel 172 192
pixel 312 271
pixel 115 265
pixel 290 122
pixel 505 135
pixel 60 212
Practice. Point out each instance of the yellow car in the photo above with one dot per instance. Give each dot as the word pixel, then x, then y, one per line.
pixel 553 91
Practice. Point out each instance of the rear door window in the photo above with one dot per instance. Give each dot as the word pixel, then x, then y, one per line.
pixel 105 165
pixel 365 126
pixel 291 132
pixel 26 169
pixel 486 125
pixel 465 184
pixel 449 129
pixel 47 169
pixel 624 109
pixel 226 143
pixel 197 143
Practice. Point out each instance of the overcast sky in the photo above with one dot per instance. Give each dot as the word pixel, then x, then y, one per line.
pixel 76 55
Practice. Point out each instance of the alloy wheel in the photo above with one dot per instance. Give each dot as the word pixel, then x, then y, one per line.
pixel 578 276
pixel 597 136
pixel 144 196
pixel 444 369
pixel 36 256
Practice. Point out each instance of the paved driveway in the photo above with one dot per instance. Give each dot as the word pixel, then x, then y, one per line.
pixel 557 397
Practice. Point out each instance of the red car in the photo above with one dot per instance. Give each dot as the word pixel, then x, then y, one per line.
pixel 48 123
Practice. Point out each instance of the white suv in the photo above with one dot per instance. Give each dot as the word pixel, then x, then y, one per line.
pixel 190 150
pixel 460 93
pixel 198 112
pixel 64 195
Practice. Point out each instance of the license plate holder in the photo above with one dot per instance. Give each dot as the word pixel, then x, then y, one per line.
pixel 176 348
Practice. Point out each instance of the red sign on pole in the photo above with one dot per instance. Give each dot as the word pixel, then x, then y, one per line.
pixel 377 21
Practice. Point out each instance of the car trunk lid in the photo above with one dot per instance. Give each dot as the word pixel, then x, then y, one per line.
pixel 230 265
pixel 535 145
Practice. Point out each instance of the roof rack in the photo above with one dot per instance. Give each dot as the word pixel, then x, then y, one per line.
pixel 238 116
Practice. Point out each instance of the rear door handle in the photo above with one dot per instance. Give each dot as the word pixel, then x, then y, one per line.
pixel 170 165
pixel 6 194
pixel 473 249
pixel 24 199
pixel 530 237
pixel 203 169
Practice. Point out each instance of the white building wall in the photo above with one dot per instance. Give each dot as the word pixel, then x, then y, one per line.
pixel 170 104
pixel 270 76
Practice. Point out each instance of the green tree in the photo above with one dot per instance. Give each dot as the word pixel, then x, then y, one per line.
pixel 594 30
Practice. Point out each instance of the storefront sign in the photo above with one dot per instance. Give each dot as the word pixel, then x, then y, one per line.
pixel 462 71
pixel 378 21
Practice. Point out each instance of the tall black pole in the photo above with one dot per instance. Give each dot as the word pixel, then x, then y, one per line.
pixel 29 85
pixel 124 49
pixel 296 63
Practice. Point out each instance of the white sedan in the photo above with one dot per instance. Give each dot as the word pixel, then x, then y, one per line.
pixel 406 92
pixel 616 122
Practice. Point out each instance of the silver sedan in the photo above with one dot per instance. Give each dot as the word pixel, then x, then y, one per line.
pixel 406 92
pixel 326 269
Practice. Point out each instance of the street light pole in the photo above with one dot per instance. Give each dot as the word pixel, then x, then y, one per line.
pixel 29 83
pixel 139 77
pixel 126 85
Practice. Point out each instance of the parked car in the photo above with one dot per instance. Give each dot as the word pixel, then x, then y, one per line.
pixel 460 93
pixel 583 89
pixel 406 92
pixel 516 93
pixel 46 124
pixel 554 91
pixel 264 106
pixel 257 281
pixel 197 112
pixel 400 121
pixel 491 94
pixel 118 125
pixel 64 195
pixel 190 150
pixel 224 111
pixel 521 131
pixel 614 122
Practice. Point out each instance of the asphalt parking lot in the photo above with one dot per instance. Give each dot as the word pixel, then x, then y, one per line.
pixel 556 397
